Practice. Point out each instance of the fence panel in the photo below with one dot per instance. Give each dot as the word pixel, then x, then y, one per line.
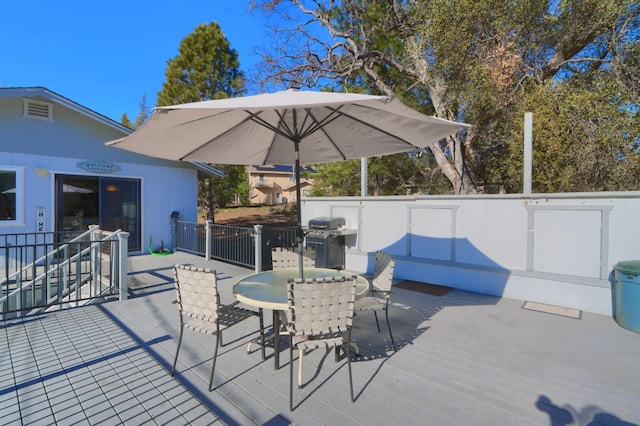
pixel 191 237
pixel 233 244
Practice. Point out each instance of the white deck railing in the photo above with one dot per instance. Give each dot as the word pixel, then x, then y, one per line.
pixel 79 271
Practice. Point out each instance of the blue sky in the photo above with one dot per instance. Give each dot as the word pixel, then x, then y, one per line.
pixel 106 55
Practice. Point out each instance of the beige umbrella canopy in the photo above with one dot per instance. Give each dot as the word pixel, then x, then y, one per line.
pixel 288 127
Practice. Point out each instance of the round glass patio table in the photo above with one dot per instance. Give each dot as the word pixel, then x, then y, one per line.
pixel 268 290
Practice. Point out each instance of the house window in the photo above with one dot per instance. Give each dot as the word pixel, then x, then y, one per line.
pixel 11 195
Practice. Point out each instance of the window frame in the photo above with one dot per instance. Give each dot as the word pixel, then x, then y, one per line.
pixel 19 220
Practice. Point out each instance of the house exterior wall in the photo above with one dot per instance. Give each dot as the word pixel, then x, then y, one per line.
pixel 39 150
pixel 557 249
pixel 273 187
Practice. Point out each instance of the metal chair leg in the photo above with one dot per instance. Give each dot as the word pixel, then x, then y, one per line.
pixel 213 367
pixel 290 374
pixel 177 351
pixel 386 312
pixel 348 345
pixel 375 314
pixel 219 334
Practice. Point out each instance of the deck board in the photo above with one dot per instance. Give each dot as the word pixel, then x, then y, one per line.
pixel 462 359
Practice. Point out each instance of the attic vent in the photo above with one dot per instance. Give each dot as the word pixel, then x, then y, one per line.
pixel 38 110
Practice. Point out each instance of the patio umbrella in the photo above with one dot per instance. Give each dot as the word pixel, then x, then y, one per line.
pixel 287 127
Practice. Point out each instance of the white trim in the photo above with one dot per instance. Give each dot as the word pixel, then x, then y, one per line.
pixel 207 169
pixel 19 191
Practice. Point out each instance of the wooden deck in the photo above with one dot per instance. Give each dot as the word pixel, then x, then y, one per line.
pixel 462 359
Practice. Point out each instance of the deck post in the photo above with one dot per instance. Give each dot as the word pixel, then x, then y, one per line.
pixel 123 251
pixel 207 239
pixel 528 153
pixel 95 257
pixel 258 247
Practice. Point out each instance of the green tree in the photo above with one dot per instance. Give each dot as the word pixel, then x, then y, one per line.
pixel 469 60
pixel 206 68
pixel 143 114
pixel 586 138
pixel 225 189
pixel 337 179
pixel 388 175
pixel 124 120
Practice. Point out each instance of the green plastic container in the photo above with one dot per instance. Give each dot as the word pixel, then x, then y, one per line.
pixel 626 295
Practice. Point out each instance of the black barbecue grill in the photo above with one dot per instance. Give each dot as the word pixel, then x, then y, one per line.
pixel 326 236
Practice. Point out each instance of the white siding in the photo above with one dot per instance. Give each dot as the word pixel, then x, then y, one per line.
pixel 47 148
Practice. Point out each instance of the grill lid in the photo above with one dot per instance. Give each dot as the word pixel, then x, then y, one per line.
pixel 326 222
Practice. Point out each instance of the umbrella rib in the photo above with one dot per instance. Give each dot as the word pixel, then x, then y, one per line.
pixel 298 132
pixel 261 121
pixel 226 132
pixel 370 125
pixel 319 124
pixel 320 127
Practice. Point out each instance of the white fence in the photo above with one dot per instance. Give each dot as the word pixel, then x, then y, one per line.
pixel 558 249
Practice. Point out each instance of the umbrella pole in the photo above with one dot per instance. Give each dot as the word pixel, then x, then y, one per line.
pixel 299 233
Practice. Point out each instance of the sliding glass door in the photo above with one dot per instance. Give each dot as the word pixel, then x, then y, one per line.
pixel 111 203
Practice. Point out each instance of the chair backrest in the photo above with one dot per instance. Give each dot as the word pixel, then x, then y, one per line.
pixel 197 291
pixel 383 272
pixel 288 258
pixel 320 305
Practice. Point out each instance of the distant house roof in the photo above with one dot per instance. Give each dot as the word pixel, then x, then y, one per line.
pixel 282 169
pixel 303 183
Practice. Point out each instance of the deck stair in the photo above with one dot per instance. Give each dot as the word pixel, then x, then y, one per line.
pixel 69 274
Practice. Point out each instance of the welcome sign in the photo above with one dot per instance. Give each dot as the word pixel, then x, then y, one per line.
pixel 98 166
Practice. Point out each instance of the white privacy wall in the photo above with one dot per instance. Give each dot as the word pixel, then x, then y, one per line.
pixel 558 249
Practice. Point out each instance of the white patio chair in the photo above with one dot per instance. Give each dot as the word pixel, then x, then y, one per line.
pixel 319 316
pixel 282 258
pixel 288 258
pixel 380 294
pixel 201 311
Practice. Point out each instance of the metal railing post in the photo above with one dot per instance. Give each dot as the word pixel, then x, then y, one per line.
pixel 123 251
pixel 95 257
pixel 207 240
pixel 174 233
pixel 258 247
